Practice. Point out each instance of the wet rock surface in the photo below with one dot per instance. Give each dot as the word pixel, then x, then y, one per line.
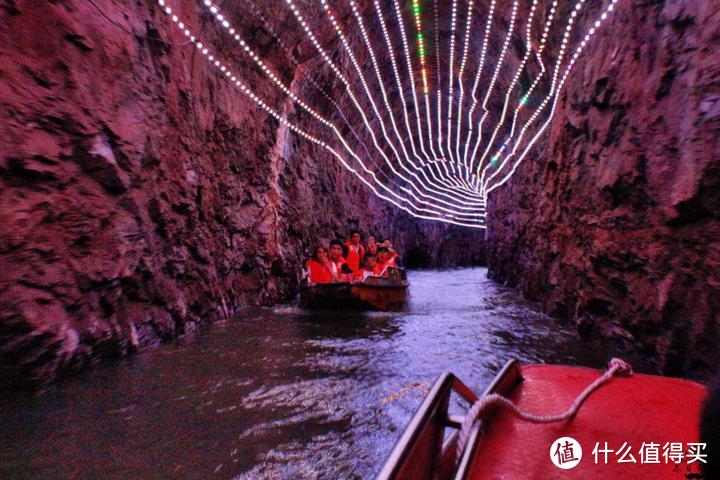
pixel 614 223
pixel 141 195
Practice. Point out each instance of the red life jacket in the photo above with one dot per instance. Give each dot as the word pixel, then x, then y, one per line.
pixel 354 258
pixel 339 265
pixel 361 275
pixel 318 272
pixel 381 268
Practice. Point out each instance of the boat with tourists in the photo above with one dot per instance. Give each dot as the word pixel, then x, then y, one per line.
pixel 387 293
pixel 346 276
pixel 615 414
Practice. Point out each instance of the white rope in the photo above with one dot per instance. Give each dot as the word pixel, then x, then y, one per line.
pixel 615 367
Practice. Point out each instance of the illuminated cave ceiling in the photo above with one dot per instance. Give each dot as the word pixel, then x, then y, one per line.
pixel 431 104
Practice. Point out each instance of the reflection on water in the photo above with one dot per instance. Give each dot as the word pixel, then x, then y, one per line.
pixel 283 393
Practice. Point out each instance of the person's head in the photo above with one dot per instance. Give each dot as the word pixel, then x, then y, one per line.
pixel 370 261
pixel 387 244
pixel 320 253
pixel 382 254
pixel 336 250
pixel 371 245
pixel 355 237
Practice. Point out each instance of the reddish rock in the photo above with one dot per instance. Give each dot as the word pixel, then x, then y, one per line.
pixel 614 222
pixel 141 195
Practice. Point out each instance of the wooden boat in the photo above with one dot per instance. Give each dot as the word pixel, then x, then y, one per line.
pixel 632 410
pixel 375 293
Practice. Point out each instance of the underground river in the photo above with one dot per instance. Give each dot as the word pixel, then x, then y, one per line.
pixel 283 393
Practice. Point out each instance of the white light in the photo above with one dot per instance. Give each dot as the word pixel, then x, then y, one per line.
pixel 555 94
pixel 256 58
pixel 433 184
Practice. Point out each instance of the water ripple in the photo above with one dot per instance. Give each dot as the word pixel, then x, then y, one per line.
pixel 282 392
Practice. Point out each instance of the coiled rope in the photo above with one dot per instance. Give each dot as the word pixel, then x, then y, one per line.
pixel 615 367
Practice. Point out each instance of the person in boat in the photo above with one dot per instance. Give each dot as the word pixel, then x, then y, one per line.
pixel 371 246
pixel 384 261
pixel 368 269
pixel 355 251
pixel 318 268
pixel 392 254
pixel 339 267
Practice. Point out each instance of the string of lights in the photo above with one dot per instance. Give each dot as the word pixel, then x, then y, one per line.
pixel 498 66
pixel 451 185
pixel 411 76
pixel 414 190
pixel 476 82
pixel 381 84
pixel 463 62
pixel 514 81
pixel 261 18
pixel 438 178
pixel 438 88
pixel 578 51
pixel 423 70
pixel 428 168
pixel 451 77
pixel 463 204
pixel 227 72
pixel 556 71
pixel 215 11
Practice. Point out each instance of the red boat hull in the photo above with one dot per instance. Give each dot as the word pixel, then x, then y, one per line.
pixel 624 413
pixel 632 410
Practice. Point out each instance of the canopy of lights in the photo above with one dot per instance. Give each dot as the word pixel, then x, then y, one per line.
pixel 433 138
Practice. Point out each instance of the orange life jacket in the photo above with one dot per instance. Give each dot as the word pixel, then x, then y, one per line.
pixel 318 272
pixel 338 265
pixel 361 275
pixel 381 268
pixel 354 257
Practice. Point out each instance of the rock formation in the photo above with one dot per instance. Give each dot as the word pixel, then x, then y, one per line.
pixel 141 195
pixel 614 223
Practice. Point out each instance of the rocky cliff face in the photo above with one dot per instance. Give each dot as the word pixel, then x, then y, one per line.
pixel 614 223
pixel 141 195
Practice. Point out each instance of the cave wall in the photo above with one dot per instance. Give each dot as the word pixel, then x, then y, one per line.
pixel 141 195
pixel 614 223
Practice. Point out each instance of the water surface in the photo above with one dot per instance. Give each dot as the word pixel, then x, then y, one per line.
pixel 282 393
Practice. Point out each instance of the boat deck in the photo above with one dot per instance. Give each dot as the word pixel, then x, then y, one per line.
pixel 636 409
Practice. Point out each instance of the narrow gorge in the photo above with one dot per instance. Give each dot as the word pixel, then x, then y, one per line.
pixel 143 195
pixel 345 239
